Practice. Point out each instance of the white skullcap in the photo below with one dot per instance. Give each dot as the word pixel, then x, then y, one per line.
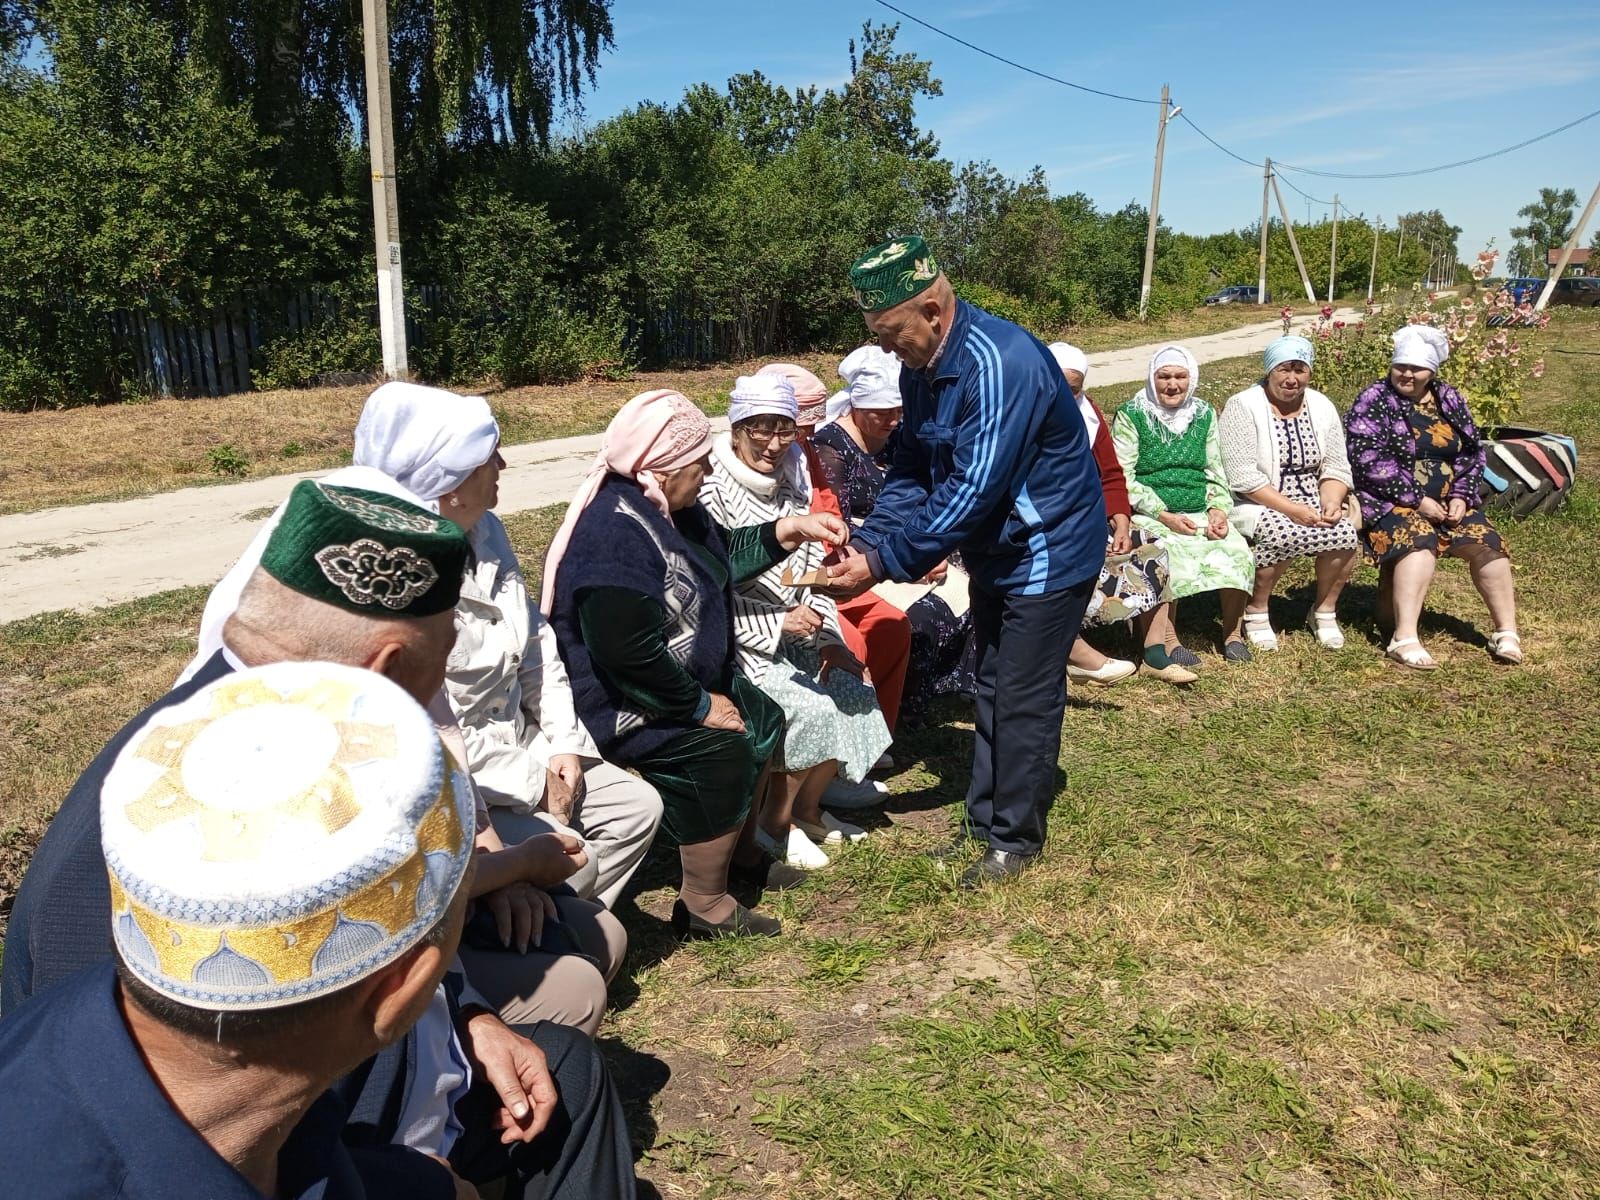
pixel 1420 346
pixel 1070 358
pixel 760 396
pixel 280 834
pixel 426 438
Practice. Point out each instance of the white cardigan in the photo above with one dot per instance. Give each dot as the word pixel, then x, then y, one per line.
pixel 506 681
pixel 1250 448
pixel 737 496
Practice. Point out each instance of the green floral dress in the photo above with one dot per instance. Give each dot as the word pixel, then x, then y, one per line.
pixel 1183 475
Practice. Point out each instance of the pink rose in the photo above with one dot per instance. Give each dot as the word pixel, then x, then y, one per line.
pixel 1538 369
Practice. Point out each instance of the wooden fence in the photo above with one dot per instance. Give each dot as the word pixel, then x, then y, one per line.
pixel 215 354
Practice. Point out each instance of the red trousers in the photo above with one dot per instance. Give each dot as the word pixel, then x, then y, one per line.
pixel 879 634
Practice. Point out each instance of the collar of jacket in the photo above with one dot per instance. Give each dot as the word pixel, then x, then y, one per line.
pixel 955 347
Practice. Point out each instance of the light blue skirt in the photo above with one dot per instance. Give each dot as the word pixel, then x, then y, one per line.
pixel 839 719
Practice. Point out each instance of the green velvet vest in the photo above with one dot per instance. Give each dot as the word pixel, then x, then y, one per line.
pixel 1175 468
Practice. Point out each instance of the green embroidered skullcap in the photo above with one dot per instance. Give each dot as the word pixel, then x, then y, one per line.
pixel 366 552
pixel 892 273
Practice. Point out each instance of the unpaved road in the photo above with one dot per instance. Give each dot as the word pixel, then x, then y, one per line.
pixel 90 555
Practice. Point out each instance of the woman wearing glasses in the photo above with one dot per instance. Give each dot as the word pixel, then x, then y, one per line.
pixel 788 634
pixel 1417 459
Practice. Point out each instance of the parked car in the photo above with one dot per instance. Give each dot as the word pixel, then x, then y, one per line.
pixel 1523 289
pixel 1238 294
pixel 1582 290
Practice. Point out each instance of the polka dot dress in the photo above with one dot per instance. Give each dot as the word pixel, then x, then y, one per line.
pixel 1299 470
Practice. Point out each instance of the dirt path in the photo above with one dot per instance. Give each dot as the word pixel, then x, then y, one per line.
pixel 90 555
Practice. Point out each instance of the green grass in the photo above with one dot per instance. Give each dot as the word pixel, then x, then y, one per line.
pixel 1315 927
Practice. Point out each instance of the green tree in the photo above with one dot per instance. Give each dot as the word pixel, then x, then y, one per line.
pixel 1548 223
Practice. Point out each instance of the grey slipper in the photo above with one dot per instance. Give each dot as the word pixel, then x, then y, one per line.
pixel 1184 656
pixel 1236 651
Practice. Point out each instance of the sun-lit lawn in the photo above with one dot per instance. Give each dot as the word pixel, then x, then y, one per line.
pixel 1314 927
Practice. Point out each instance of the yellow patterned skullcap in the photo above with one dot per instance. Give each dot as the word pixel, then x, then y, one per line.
pixel 283 832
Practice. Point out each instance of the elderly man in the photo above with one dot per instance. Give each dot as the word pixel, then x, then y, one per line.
pixel 368 580
pixel 992 461
pixel 254 836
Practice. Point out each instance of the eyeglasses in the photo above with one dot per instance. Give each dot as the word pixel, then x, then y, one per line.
pixel 782 436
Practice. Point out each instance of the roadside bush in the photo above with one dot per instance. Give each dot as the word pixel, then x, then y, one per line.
pixel 349 342
pixel 1039 319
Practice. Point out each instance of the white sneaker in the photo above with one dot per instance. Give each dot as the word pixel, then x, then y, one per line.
pixel 803 852
pixel 843 794
pixel 831 831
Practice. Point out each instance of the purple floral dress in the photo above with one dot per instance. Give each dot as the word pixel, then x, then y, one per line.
pixel 1402 452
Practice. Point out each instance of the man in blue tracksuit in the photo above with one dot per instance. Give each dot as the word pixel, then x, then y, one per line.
pixel 993 460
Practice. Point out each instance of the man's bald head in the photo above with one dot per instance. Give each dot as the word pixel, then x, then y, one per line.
pixel 274 623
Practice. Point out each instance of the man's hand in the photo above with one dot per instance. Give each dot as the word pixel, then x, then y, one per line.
pixel 1216 524
pixel 563 786
pixel 520 911
pixel 723 714
pixel 1178 523
pixel 1121 534
pixel 802 621
pixel 835 657
pixel 517 1070
pixel 547 859
pixel 1456 511
pixel 812 527
pixel 939 574
pixel 850 577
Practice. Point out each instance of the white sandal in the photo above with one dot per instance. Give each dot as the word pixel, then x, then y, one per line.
pixel 830 831
pixel 1416 658
pixel 1258 628
pixel 800 851
pixel 1326 626
pixel 1505 645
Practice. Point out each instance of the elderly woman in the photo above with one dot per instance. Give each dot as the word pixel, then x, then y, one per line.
pixel 440 450
pixel 853 446
pixel 1166 441
pixel 790 641
pixel 877 632
pixel 1133 581
pixel 1417 459
pixel 1283 449
pixel 639 586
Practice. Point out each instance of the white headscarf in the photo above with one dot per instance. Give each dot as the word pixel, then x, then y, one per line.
pixel 760 396
pixel 879 374
pixel 1069 358
pixel 1173 421
pixel 427 439
pixel 1420 346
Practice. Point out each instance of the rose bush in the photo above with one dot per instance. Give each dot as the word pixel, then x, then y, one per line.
pixel 1488 365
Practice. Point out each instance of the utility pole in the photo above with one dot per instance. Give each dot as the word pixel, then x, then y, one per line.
pixel 1333 248
pixel 1167 113
pixel 1372 272
pixel 385 194
pixel 1566 251
pixel 1261 282
pixel 1294 244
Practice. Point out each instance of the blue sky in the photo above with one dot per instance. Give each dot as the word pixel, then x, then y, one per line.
pixel 1358 87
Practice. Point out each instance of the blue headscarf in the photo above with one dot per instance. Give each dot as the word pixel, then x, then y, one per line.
pixel 1291 347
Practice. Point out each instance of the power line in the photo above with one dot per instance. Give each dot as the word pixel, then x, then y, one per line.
pixel 1237 157
pixel 1465 162
pixel 1009 62
pixel 1306 195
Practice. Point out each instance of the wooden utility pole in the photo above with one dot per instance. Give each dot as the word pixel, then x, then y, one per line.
pixel 1333 248
pixel 1261 282
pixel 1566 251
pixel 1294 244
pixel 1372 272
pixel 1167 113
pixel 385 195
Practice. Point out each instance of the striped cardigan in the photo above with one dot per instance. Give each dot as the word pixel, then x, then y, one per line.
pixel 737 495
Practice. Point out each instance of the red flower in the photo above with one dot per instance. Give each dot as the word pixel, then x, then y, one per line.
pixel 1327 311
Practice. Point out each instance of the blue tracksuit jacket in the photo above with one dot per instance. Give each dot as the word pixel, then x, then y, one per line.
pixel 992 459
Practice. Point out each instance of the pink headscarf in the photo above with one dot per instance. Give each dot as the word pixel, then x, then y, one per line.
pixel 655 431
pixel 809 392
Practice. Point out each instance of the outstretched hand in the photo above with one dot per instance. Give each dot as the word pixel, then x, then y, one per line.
pixel 851 576
pixel 792 532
